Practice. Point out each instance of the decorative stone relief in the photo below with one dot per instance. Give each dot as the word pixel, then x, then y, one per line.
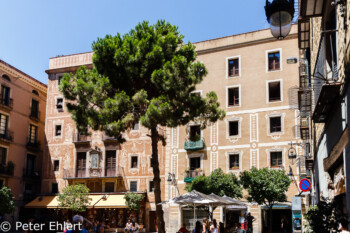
pixel 254 128
pixel 254 158
pixel 214 133
pixel 174 164
pixel 68 133
pixel 175 137
pixel 214 160
pixel 143 163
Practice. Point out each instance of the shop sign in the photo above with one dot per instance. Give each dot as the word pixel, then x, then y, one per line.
pixel 296 203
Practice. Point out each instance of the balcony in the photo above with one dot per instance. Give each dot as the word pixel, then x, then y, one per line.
pixel 7 170
pixel 34 115
pixel 304 127
pixel 79 138
pixel 31 174
pixel 91 173
pixel 6 136
pixel 304 78
pixel 192 174
pixel 305 101
pixel 33 145
pixel 6 104
pixel 109 139
pixel 194 145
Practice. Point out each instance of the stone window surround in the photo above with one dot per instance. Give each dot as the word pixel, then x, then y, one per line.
pixel 267 90
pixel 267 59
pixel 240 95
pixel 276 149
pixel 227 154
pixel 239 119
pixel 239 66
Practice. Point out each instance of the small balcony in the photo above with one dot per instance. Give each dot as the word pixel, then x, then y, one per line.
pixel 93 173
pixel 194 145
pixel 34 115
pixel 6 136
pixel 31 174
pixel 7 170
pixel 33 145
pixel 304 128
pixel 109 139
pixel 192 174
pixel 79 138
pixel 6 104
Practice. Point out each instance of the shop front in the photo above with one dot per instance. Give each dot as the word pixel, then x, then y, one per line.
pixel 234 215
pixel 279 211
pixel 110 208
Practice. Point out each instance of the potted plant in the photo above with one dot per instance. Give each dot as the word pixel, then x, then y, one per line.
pixel 10 167
pixel 187 172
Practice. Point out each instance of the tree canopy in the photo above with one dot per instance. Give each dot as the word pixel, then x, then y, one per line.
pixel 133 200
pixel 149 75
pixel 218 183
pixel 74 197
pixel 7 202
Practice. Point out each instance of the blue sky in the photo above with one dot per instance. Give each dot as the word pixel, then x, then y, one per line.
pixel 33 31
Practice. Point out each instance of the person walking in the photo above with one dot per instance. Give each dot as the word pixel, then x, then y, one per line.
pixel 214 227
pixel 250 219
pixel 284 224
pixel 198 228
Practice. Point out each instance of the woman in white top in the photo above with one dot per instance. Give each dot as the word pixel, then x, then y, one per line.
pixel 214 227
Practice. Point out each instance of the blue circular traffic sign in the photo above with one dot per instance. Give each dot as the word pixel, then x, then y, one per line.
pixel 305 185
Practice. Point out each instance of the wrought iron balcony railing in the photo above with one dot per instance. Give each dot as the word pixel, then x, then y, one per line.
pixel 6 102
pixel 31 174
pixel 93 173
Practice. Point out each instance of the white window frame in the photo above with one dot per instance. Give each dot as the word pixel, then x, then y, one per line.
pixel 282 115
pixel 137 185
pixel 54 131
pixel 240 96
pixel 138 161
pixel 239 120
pixel 53 165
pixel 240 153
pixel 267 59
pixel 239 66
pixel 277 149
pixel 195 155
pixel 268 94
pixel 59 97
pixel 189 129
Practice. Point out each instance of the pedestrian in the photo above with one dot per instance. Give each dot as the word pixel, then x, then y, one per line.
pixel 198 228
pixel 221 227
pixel 343 226
pixel 284 224
pixel 183 229
pixel 128 227
pixel 77 225
pixel 250 219
pixel 214 227
pixel 205 225
pixel 135 226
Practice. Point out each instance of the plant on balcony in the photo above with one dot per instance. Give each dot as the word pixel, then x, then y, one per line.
pixel 134 200
pixel 266 187
pixel 218 183
pixel 10 167
pixel 75 198
pixel 147 74
pixel 7 202
pixel 195 138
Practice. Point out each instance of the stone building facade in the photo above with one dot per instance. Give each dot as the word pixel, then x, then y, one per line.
pixel 258 89
pixel 22 136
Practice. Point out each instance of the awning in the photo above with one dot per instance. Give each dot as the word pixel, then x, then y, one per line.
pixel 43 202
pixel 52 202
pixel 279 206
pixel 111 201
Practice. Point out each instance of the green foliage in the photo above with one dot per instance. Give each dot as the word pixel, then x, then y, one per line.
pixel 265 186
pixel 7 202
pixel 148 73
pixel 74 197
pixel 133 200
pixel 323 217
pixel 218 183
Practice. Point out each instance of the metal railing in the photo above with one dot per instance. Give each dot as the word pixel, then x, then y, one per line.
pixel 33 144
pixel 34 114
pixel 78 137
pixel 6 102
pixel 31 174
pixel 194 173
pixel 93 172
pixel 7 135
pixel 6 170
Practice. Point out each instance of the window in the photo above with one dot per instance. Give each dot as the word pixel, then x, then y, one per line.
pixel 276 159
pixel 195 163
pixel 134 162
pixel 136 125
pixel 151 186
pixel 3 125
pixel 133 186
pixel 54 188
pixel 59 104
pixel 233 67
pixel 150 162
pixel 33 133
pixel 274 91
pixel 81 164
pixel 233 96
pixel 234 161
pixel 233 128
pixel 195 132
pixel 30 167
pixel 111 163
pixel 274 61
pixel 56 165
pixel 3 153
pixel 109 187
pixel 59 80
pixel 5 95
pixel 6 78
pixel 35 92
pixel 34 111
pixel 58 130
pixel 275 124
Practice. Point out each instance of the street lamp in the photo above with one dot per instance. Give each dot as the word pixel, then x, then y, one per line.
pixel 172 181
pixel 279 14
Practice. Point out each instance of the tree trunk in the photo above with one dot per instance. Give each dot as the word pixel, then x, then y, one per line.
pixel 156 180
pixel 270 219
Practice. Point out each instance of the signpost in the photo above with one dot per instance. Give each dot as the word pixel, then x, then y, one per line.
pixel 305 185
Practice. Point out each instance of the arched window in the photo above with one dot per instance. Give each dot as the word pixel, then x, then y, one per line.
pixel 6 78
pixel 35 92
